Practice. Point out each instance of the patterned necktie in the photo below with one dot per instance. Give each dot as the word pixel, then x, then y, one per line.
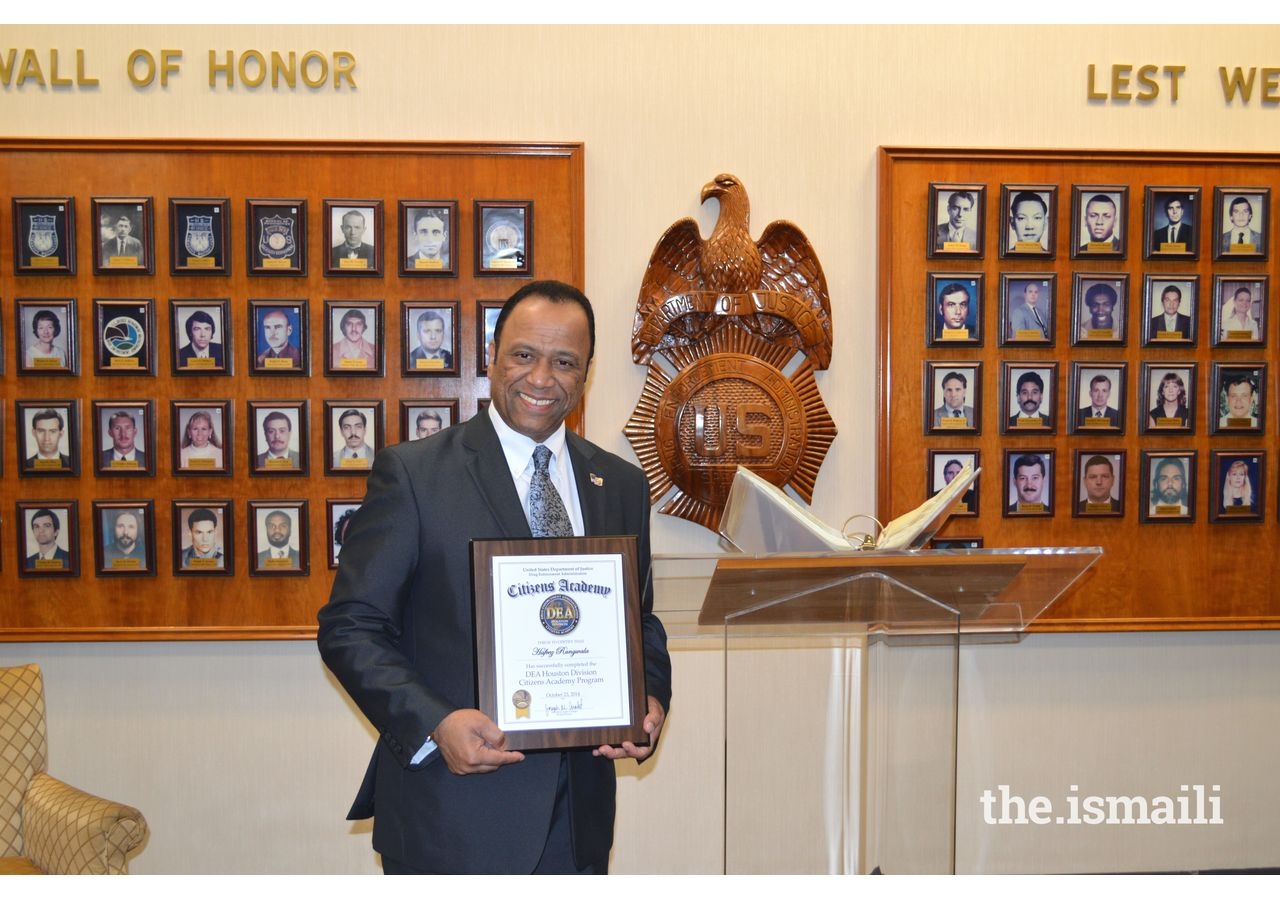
pixel 547 515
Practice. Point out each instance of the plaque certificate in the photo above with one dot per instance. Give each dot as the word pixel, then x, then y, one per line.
pixel 558 648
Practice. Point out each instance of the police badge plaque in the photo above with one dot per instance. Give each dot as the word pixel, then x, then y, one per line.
pixel 277 236
pixel 44 236
pixel 559 654
pixel 198 232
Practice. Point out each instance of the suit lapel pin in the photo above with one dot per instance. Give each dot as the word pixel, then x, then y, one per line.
pixel 596 480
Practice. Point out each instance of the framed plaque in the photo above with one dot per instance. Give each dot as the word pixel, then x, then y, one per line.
pixel 124 339
pixel 558 651
pixel 504 237
pixel 199 233
pixel 428 234
pixel 277 236
pixel 44 236
pixel 123 239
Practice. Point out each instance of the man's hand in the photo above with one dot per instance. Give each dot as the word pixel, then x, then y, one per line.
pixel 652 727
pixel 472 744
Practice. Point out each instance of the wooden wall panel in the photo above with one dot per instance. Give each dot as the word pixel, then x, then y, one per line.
pixel 1152 575
pixel 164 606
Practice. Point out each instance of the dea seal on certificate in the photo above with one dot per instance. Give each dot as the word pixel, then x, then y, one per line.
pixel 559 614
pixel 520 700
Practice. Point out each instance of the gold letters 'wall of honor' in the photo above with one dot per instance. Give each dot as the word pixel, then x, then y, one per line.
pixel 718 322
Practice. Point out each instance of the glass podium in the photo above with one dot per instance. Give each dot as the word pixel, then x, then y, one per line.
pixel 841 686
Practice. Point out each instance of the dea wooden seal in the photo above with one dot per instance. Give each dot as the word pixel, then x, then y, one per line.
pixel 719 322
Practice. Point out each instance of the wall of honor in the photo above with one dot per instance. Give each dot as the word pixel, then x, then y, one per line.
pixel 205 344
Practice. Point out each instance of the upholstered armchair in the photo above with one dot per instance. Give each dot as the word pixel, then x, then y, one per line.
pixel 47 827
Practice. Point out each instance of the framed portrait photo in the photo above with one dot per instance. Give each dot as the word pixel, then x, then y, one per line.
pixel 1029 390
pixel 124 337
pixel 124 538
pixel 1239 311
pixel 200 337
pixel 504 237
pixel 1028 483
pixel 1099 219
pixel 1243 218
pixel 278 337
pixel 353 431
pixel 278 537
pixel 1172 223
pixel 1098 390
pixel 199 236
pixel 1099 309
pixel 429 336
pixel 46 336
pixel 944 466
pixel 1169 392
pixel 422 418
pixel 428 234
pixel 1099 481
pixel 276 231
pixel 202 436
pixel 124 437
pixel 486 323
pixel 48 437
pixel 1170 309
pixel 123 241
pixel 957 217
pixel 1027 304
pixel 353 237
pixel 1168 486
pixel 1237 485
pixel 954 397
pixel 1239 398
pixel 954 309
pixel 48 536
pixel 353 336
pixel 1029 211
pixel 338 515
pixel 44 235
pixel 278 444
pixel 202 537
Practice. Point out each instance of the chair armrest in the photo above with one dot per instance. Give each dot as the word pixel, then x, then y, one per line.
pixel 68 832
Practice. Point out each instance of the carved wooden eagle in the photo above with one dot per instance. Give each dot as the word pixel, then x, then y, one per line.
pixel 773 287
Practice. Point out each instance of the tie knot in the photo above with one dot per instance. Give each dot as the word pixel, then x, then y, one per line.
pixel 541 458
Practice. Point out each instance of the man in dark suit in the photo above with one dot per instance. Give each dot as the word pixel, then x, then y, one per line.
pixel 123 452
pixel 1177 232
pixel 277 333
pixel 45 528
pixel 46 428
pixel 1029 395
pixel 1100 221
pixel 1030 478
pixel 1098 409
pixel 1241 233
pixel 353 246
pixel 430 327
pixel 1099 478
pixel 1170 325
pixel 432 235
pixel 122 245
pixel 279 555
pixel 200 330
pixel 277 429
pixel 445 793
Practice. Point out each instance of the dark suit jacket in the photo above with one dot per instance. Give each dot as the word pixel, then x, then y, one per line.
pixel 59 554
pixel 30 461
pixel 339 253
pixel 1083 504
pixel 418 353
pixel 397 632
pixel 1112 416
pixel 188 353
pixel 1156 325
pixel 1186 235
pixel 290 352
pixel 265 555
pixel 294 460
pixel 942 234
pixel 105 457
pixel 1013 420
pixel 110 248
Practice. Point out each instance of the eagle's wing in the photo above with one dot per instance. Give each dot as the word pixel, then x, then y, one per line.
pixel 791 266
pixel 673 269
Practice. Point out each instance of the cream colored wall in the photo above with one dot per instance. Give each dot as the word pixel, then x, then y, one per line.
pixel 243 755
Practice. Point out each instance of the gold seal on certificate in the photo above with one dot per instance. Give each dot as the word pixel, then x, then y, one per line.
pixel 558 646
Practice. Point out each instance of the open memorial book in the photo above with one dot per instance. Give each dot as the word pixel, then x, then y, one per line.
pixel 760 517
